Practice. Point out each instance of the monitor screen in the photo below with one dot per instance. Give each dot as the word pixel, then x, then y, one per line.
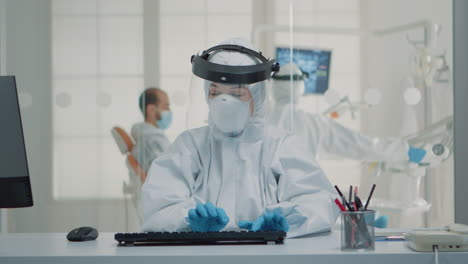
pixel 15 188
pixel 315 62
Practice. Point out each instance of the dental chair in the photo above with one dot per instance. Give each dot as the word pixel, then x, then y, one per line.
pixel 125 144
pixel 137 175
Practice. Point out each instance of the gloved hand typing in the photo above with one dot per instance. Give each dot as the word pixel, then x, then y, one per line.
pixel 269 221
pixel 207 218
pixel 416 154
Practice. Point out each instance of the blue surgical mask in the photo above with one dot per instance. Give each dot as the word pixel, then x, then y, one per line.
pixel 166 119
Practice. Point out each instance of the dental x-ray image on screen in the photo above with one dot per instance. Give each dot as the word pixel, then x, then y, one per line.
pixel 315 62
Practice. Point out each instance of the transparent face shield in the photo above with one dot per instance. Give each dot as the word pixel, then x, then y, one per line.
pixel 229 93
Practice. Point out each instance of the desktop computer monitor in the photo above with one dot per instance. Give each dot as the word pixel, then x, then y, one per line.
pixel 15 187
pixel 315 62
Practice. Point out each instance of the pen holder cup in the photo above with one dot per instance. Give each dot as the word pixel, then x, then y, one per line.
pixel 357 230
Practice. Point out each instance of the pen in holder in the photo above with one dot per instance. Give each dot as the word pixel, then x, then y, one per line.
pixel 357 230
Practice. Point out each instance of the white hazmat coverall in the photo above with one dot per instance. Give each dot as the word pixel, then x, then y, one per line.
pixel 261 169
pixel 321 134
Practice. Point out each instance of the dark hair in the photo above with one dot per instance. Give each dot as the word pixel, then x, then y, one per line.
pixel 148 97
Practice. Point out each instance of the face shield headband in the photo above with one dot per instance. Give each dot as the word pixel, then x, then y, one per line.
pixel 295 77
pixel 246 74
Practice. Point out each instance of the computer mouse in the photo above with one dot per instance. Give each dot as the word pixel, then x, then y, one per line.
pixel 84 233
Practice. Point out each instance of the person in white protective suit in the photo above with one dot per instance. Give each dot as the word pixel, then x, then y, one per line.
pixel 237 172
pixel 323 135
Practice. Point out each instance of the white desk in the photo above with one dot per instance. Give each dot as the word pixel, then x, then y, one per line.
pixel 55 248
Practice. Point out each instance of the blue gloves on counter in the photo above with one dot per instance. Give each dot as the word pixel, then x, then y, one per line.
pixel 207 218
pixel 269 221
pixel 416 155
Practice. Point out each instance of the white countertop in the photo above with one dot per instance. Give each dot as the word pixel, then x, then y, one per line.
pixel 55 248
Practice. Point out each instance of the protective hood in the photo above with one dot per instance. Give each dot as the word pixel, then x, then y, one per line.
pixel 258 91
pixel 281 84
pixel 233 58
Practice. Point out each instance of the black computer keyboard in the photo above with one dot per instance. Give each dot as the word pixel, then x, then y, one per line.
pixel 200 238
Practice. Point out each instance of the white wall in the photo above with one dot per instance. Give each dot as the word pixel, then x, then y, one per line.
pixel 31 54
pixel 97 77
pixel 28 40
pixel 31 65
pixel 186 28
pixel 386 61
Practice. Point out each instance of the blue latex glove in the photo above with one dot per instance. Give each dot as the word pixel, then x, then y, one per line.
pixel 207 218
pixel 269 221
pixel 416 154
pixel 381 222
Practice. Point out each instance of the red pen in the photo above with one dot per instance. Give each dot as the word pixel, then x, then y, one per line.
pixel 344 198
pixel 340 205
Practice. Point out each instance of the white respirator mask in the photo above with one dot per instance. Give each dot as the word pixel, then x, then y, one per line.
pixel 229 114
